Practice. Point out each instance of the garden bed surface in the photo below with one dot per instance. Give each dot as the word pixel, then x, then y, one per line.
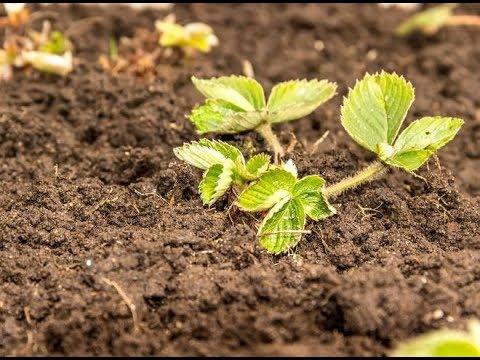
pixel 97 214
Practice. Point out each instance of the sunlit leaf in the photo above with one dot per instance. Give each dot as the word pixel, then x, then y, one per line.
pixel 241 91
pixel 199 155
pixel 272 187
pixel 227 150
pixel 443 342
pixel 297 98
pixel 57 44
pixel 223 117
pixel 421 139
pixel 428 21
pixel 375 108
pixel 258 164
pixel 282 227
pixel 216 181
pixel 51 63
pixel 309 191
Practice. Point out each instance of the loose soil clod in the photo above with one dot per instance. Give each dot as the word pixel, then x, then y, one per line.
pixel 199 282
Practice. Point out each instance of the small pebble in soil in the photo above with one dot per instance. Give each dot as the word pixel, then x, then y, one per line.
pixel 438 314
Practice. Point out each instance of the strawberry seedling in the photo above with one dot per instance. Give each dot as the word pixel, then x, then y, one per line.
pixel 431 20
pixel 237 103
pixel 47 51
pixel 373 113
pixel 265 187
pixel 190 38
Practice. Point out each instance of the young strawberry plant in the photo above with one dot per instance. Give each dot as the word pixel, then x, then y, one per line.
pixel 373 113
pixel 141 54
pixel 265 187
pixel 237 103
pixel 190 38
pixel 431 20
pixel 47 51
pixel 443 343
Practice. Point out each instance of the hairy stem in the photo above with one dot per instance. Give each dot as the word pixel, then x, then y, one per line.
pixel 370 173
pixel 463 20
pixel 265 130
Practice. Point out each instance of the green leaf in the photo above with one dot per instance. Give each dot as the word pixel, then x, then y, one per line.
pixel 241 91
pixel 171 34
pixel 272 187
pixel 50 63
pixel 223 117
pixel 282 227
pixel 297 98
pixel 199 155
pixel 363 114
pixel 200 36
pixel 421 139
pixel 216 181
pixel 375 109
pixel 443 342
pixel 57 44
pixel 309 191
pixel 398 95
pixel 227 150
pixel 428 21
pixel 258 164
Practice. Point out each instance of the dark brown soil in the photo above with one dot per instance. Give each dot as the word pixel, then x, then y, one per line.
pixel 92 198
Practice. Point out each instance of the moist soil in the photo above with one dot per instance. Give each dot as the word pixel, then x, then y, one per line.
pixel 106 248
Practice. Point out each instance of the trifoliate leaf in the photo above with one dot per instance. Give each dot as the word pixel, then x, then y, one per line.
pixel 51 63
pixel 309 191
pixel 421 139
pixel 375 108
pixel 258 164
pixel 443 342
pixel 272 187
pixel 282 227
pixel 428 21
pixel 216 181
pixel 223 117
pixel 199 155
pixel 57 44
pixel 297 98
pixel 241 91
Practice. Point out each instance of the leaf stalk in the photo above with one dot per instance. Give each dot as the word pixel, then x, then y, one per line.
pixel 265 130
pixel 370 173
